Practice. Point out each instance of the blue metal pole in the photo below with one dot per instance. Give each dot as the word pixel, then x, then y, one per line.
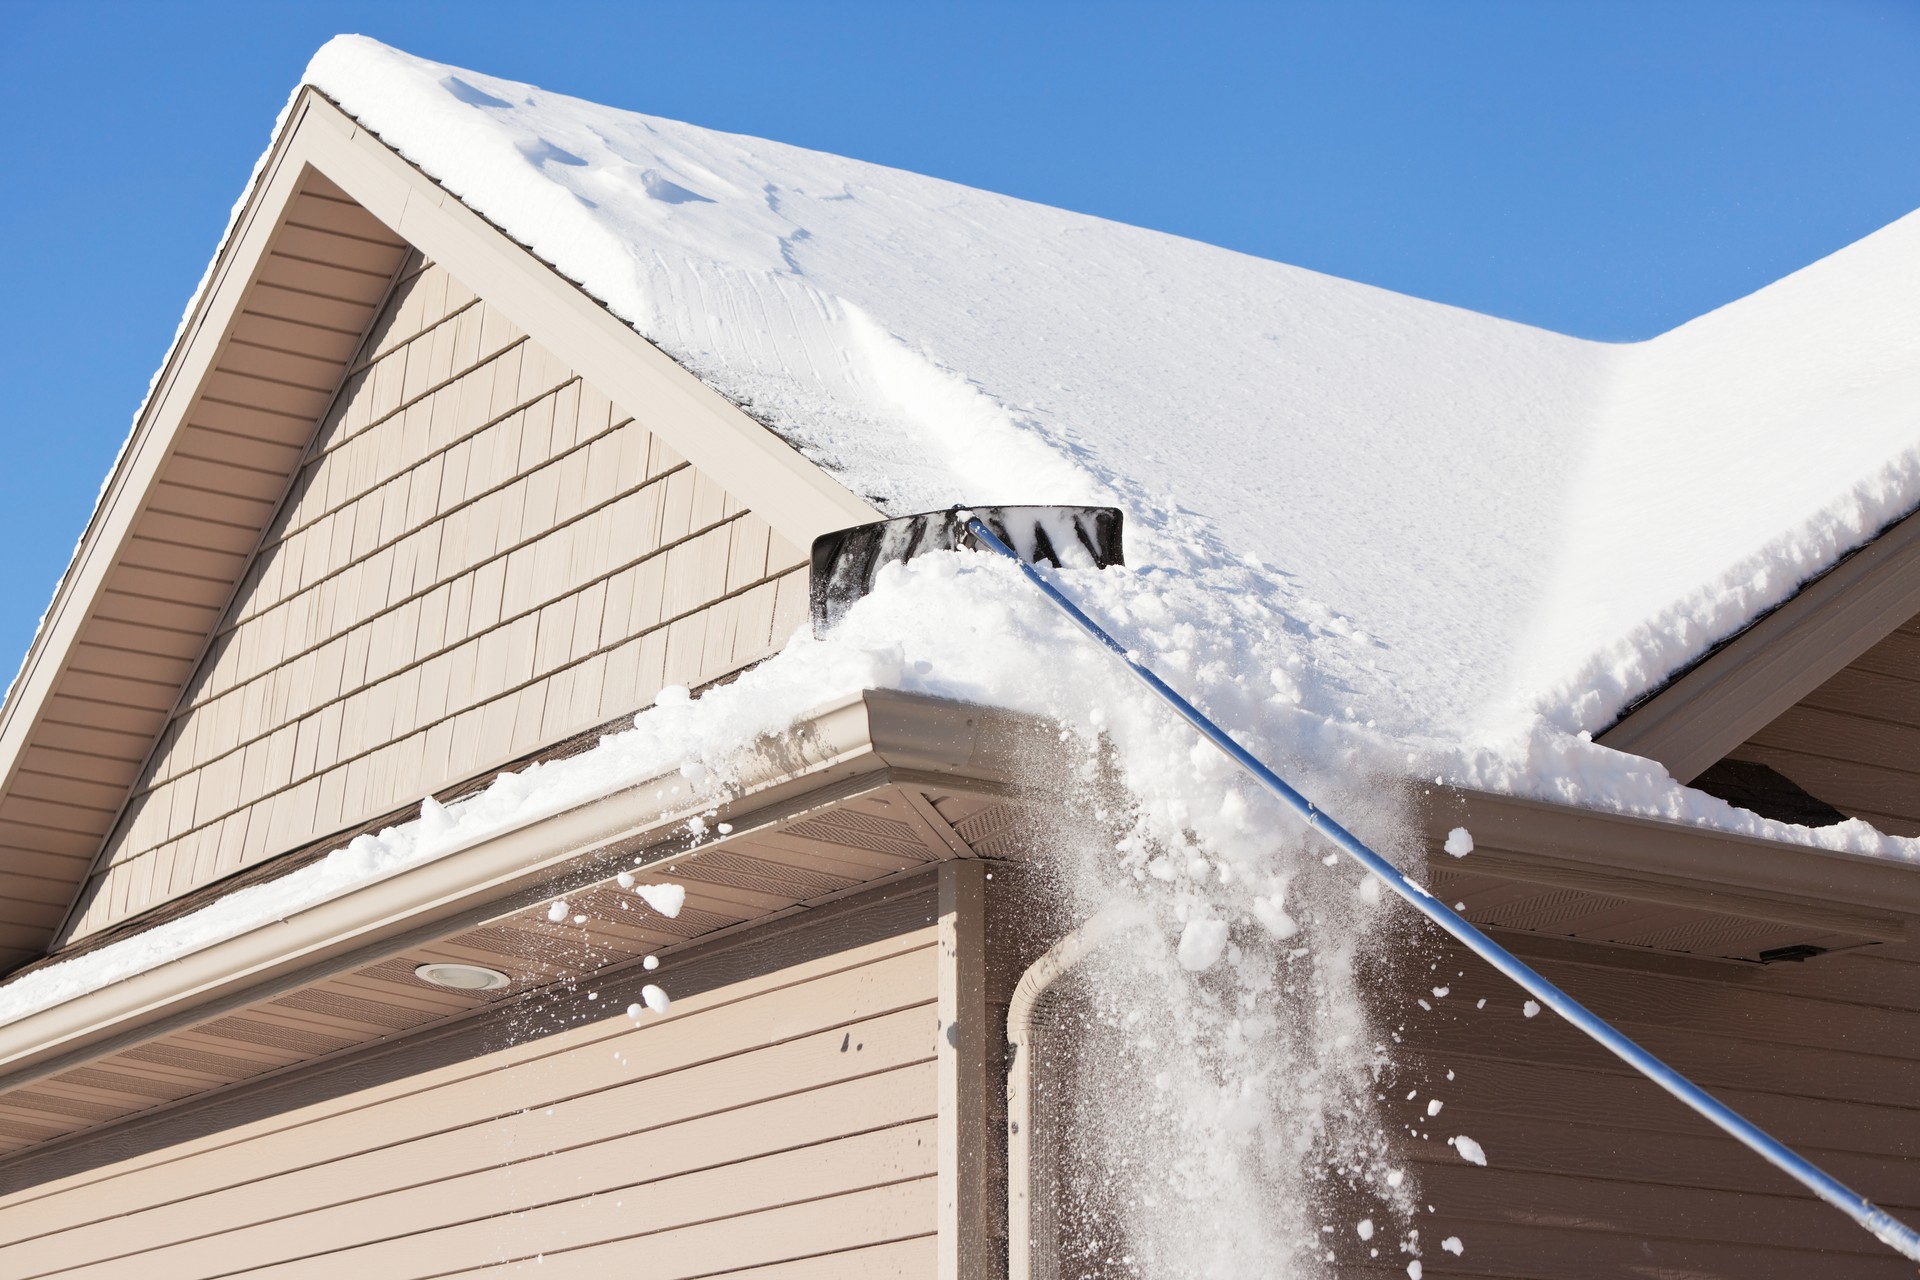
pixel 1884 1226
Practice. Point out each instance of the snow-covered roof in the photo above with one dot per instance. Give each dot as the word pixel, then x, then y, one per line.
pixel 1524 523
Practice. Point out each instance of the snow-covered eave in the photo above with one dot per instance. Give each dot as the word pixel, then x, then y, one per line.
pixel 843 748
pixel 1681 865
pixel 1749 680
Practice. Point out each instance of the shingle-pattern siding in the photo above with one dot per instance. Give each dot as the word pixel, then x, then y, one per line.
pixel 229 451
pixel 480 555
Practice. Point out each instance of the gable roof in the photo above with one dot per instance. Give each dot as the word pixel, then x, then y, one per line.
pixel 1530 524
pixel 1514 522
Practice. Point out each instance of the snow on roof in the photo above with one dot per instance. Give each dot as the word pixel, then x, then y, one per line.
pixel 1524 522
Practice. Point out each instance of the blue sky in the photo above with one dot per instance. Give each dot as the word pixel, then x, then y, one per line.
pixel 1606 169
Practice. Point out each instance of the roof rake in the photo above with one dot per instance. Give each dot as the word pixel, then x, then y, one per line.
pixel 846 564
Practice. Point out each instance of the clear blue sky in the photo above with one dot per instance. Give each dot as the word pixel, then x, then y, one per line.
pixel 1607 169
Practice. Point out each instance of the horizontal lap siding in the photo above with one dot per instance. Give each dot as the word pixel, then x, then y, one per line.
pixel 1852 741
pixel 1594 1172
pixel 480 556
pixel 781 1126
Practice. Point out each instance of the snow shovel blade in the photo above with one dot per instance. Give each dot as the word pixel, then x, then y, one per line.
pixel 846 561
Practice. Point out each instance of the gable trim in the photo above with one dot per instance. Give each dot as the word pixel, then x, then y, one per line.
pixel 1741 687
pixel 42 870
pixel 768 475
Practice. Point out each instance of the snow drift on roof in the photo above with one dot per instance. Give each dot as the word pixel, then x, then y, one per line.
pixel 1524 522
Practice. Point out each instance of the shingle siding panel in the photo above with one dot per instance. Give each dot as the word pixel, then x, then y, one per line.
pixel 480 554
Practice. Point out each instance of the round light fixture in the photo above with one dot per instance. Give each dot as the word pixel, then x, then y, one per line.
pixel 462 977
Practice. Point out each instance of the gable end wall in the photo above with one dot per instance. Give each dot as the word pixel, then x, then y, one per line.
pixel 481 555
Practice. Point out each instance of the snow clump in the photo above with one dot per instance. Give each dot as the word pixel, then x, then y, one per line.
pixel 667 899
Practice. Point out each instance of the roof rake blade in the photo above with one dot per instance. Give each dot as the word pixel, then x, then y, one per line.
pixel 847 561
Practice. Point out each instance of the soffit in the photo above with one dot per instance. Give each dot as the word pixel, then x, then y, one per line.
pixel 208 465
pixel 300 278
pixel 1600 877
pixel 870 793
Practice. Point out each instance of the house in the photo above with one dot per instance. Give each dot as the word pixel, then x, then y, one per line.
pixel 377 898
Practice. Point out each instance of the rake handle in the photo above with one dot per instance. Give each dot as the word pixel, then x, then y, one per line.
pixel 1883 1225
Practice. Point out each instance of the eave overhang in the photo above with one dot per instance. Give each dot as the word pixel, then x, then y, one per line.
pixel 943 775
pixel 1616 878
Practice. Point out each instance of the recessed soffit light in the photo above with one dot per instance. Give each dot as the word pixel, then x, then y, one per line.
pixel 462 977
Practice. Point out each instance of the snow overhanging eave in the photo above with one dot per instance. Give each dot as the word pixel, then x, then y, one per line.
pixel 1707 709
pixel 841 750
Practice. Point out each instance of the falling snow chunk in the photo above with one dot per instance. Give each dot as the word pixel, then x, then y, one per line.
pixel 1531 1008
pixel 1269 912
pixel 1433 1106
pixel 1365 1229
pixel 1453 1246
pixel 1470 1151
pixel 656 998
pixel 667 899
pixel 624 879
pixel 558 911
pixel 650 963
pixel 1414 1269
pixel 1459 842
pixel 1201 944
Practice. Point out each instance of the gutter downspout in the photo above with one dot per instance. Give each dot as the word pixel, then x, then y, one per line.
pixel 1058 959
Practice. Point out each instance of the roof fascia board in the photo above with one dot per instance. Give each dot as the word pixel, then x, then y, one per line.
pixel 159 421
pixel 1754 678
pixel 1659 861
pixel 843 748
pixel 769 476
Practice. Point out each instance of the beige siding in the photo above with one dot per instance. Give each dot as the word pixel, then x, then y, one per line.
pixel 784 1125
pixel 1854 742
pixel 1593 1172
pixel 480 555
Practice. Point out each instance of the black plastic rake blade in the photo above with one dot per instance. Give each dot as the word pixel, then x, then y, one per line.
pixel 846 561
